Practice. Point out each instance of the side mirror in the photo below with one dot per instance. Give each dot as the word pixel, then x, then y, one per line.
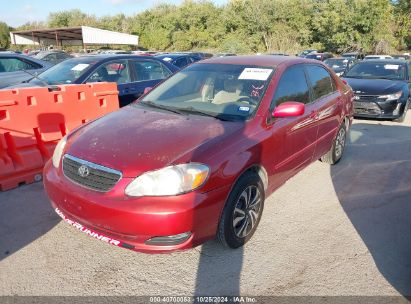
pixel 289 109
pixel 148 89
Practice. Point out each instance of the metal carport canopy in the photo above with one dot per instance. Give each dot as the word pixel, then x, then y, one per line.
pixel 80 35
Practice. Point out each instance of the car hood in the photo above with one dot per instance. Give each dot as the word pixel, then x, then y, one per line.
pixel 374 86
pixel 137 139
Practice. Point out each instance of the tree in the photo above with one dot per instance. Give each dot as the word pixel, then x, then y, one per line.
pixel 4 35
pixel 70 18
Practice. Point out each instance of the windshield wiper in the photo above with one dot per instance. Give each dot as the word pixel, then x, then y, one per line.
pixel 41 80
pixel 161 107
pixel 204 113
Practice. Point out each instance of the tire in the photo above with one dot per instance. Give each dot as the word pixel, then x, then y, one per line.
pixel 404 114
pixel 235 229
pixel 334 155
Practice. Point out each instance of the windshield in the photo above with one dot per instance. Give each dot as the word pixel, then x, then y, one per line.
pixel 336 63
pixel 224 91
pixel 375 70
pixel 67 71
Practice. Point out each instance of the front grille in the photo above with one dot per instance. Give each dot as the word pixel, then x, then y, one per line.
pixel 93 176
pixel 366 107
pixel 366 97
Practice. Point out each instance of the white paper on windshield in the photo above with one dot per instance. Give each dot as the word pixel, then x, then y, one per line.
pixel 167 59
pixel 391 66
pixel 255 74
pixel 80 67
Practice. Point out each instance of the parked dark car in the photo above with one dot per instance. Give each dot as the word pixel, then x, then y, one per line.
pixel 401 57
pixel 133 74
pixel 202 55
pixel 319 56
pixel 340 65
pixel 179 60
pixel 13 68
pixel 278 54
pixel 196 157
pixel 224 55
pixel 307 52
pixel 381 87
pixel 353 55
pixel 53 57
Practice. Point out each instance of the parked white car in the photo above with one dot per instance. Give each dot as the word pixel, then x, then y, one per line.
pixel 368 57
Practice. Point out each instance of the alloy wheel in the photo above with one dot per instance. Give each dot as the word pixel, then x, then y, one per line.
pixel 247 211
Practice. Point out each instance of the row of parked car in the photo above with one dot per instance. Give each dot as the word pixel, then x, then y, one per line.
pixel 376 79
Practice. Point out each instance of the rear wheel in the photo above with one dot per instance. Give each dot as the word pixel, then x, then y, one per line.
pixel 334 155
pixel 242 212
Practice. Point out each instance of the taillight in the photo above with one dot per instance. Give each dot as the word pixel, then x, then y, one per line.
pixel 344 82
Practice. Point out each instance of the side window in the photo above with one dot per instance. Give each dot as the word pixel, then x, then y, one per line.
pixel 292 87
pixel 150 70
pixel 15 64
pixel 114 71
pixel 321 81
pixel 181 62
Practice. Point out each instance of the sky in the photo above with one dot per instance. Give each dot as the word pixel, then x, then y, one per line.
pixel 18 12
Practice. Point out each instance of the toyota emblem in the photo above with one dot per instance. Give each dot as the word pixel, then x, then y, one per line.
pixel 83 171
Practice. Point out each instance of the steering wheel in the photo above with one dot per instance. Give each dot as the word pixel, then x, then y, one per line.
pixel 248 100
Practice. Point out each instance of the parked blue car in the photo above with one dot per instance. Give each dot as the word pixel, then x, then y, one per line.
pixel 133 74
pixel 17 68
pixel 180 60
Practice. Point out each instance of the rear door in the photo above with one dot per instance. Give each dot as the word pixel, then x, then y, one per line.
pixel 296 135
pixel 328 103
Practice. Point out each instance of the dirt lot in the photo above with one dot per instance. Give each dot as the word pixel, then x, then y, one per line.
pixel 344 230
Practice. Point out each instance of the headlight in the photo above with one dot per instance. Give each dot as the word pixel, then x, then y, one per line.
pixel 58 151
pixel 171 180
pixel 391 96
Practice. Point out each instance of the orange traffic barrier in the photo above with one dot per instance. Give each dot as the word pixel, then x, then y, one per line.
pixel 33 120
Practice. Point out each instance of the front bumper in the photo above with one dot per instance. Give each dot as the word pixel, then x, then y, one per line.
pixel 130 222
pixel 372 107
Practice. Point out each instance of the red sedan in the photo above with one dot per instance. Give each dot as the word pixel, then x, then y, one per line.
pixel 196 156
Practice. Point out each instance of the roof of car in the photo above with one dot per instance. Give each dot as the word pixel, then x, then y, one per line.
pixel 175 55
pixel 386 61
pixel 258 60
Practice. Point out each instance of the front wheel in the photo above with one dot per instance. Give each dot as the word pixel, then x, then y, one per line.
pixel 334 155
pixel 242 212
pixel 404 113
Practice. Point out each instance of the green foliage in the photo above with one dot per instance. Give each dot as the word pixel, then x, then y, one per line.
pixel 250 26
pixel 4 35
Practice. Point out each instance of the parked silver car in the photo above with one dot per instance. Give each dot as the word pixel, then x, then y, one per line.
pixel 16 68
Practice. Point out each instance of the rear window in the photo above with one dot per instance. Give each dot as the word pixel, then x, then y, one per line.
pixel 321 81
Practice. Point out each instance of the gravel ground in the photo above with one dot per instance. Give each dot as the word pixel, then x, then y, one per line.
pixel 329 231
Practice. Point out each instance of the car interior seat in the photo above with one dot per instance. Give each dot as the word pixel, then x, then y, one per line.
pixel 231 93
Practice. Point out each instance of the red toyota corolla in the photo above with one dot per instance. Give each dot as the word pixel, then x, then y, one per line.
pixel 196 157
